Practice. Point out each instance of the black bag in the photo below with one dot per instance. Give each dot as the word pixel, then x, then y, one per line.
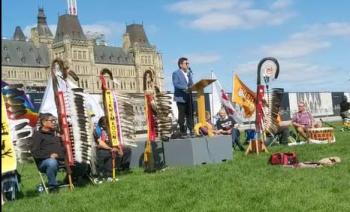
pixel 10 185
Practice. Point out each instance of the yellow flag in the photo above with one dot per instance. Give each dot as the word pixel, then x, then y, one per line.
pixel 8 156
pixel 243 96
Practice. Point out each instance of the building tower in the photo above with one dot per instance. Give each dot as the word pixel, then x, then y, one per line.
pixel 41 33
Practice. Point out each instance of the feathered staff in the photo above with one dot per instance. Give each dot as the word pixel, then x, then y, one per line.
pixel 110 109
pixel 150 111
pixel 270 68
pixel 158 118
pixel 72 114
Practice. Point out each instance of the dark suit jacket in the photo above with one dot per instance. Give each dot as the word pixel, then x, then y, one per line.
pixel 180 85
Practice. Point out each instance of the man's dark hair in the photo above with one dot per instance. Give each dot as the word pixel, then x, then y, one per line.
pixel 43 117
pixel 181 60
pixel 102 121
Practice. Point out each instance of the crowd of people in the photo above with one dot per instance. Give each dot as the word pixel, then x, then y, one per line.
pixel 49 153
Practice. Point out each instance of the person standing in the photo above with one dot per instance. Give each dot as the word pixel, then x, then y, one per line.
pixel 182 81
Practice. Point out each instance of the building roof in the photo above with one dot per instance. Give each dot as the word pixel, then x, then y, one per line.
pixel 112 55
pixel 42 27
pixel 69 25
pixel 26 54
pixel 137 35
pixel 19 35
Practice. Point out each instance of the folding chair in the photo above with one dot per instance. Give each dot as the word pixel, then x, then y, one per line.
pixel 274 139
pixel 43 187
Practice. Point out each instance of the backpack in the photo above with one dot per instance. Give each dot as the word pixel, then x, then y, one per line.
pixel 280 158
pixel 10 185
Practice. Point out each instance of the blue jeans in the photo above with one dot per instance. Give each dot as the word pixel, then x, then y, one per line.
pixel 50 167
pixel 235 139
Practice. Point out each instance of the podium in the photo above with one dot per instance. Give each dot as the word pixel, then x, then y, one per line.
pixel 199 87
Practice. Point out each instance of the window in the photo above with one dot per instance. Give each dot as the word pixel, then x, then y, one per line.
pixel 86 84
pixel 75 55
pixel 84 55
pixel 79 55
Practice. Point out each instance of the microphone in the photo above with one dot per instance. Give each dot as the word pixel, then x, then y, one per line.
pixel 189 68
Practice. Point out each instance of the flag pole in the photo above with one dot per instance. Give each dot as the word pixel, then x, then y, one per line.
pixel 212 99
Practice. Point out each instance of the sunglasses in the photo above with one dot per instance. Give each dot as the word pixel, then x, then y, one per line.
pixel 52 120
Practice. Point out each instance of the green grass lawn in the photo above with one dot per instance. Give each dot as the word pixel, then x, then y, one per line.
pixel 247 183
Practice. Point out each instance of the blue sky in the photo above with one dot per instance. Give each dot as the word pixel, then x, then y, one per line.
pixel 310 38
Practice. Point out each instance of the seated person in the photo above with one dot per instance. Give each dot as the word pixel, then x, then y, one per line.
pixel 344 108
pixel 303 120
pixel 225 125
pixel 47 148
pixel 282 130
pixel 204 130
pixel 105 150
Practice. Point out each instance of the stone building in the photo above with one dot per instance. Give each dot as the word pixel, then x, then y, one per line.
pixel 28 61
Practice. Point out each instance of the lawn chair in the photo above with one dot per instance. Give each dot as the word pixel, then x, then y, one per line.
pixel 273 139
pixel 43 187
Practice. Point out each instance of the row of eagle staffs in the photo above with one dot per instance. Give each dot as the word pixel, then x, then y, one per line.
pixel 74 112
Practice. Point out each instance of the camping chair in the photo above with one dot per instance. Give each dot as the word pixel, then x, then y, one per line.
pixel 43 187
pixel 273 139
pixel 346 124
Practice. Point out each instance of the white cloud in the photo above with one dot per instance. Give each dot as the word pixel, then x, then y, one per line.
pixel 341 29
pixel 296 75
pixel 297 72
pixel 205 6
pixel 281 4
pixel 230 14
pixel 27 29
pixel 295 48
pixel 313 39
pixel 217 21
pixel 202 58
pixel 112 31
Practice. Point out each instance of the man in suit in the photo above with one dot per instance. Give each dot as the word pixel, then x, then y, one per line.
pixel 182 81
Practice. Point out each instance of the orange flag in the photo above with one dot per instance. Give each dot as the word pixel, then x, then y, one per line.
pixel 243 96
